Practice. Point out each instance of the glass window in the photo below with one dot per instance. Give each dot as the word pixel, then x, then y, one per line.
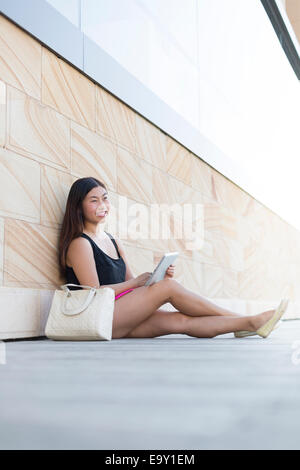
pixel 151 40
pixel 68 8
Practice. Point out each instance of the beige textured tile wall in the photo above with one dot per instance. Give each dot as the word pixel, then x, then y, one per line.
pixel 115 120
pixel 36 130
pixel 19 187
pixel 20 64
pixel 67 90
pixel 293 12
pixel 30 255
pixel 2 112
pixel 91 154
pixel 56 126
pixel 55 186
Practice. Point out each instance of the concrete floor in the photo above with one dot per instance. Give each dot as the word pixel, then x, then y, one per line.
pixel 170 392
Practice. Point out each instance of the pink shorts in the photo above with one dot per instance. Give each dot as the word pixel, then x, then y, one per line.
pixel 122 293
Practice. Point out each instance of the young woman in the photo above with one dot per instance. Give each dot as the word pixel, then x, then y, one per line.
pixel 90 256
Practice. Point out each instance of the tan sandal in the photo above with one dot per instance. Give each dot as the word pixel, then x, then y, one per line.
pixel 269 326
pixel 243 333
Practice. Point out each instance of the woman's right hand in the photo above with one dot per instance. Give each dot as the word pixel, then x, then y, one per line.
pixel 141 279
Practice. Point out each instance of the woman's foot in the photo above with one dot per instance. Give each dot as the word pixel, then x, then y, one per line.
pixel 259 320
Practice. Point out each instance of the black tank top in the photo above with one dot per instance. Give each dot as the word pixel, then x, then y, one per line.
pixel 110 270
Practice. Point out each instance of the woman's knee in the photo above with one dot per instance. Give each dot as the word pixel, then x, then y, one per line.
pixel 166 286
pixel 161 322
pixel 136 306
pixel 181 323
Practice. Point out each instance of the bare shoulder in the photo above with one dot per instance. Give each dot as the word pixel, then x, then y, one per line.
pixel 81 258
pixel 80 243
pixel 79 248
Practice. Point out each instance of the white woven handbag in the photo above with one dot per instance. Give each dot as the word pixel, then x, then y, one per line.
pixel 81 315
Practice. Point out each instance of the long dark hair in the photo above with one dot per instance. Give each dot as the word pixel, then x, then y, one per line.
pixel 73 221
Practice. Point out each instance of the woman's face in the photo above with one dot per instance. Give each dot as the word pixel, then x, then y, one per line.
pixel 96 205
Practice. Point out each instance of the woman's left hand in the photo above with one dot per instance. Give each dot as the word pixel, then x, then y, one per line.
pixel 170 271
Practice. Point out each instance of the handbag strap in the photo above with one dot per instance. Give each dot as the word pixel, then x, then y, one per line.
pixel 75 311
pixel 65 288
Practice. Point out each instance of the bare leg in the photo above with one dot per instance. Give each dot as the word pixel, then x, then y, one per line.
pixel 196 305
pixel 208 327
pixel 135 307
pixel 218 325
pixel 163 322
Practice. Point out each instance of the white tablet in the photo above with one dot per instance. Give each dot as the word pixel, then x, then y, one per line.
pixel 160 270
